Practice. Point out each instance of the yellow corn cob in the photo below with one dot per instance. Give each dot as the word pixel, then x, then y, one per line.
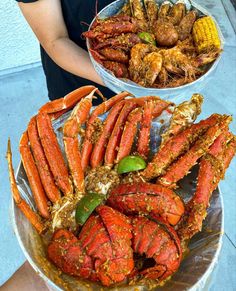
pixel 205 34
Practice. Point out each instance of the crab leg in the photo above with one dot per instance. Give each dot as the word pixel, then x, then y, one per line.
pixel 183 116
pixel 212 169
pixel 24 207
pixel 129 133
pixel 177 145
pixel 159 104
pixel 59 106
pixel 131 125
pixel 144 134
pixel 33 176
pixel 101 109
pixel 47 180
pixel 114 140
pixel 53 153
pixel 182 166
pixel 147 198
pixel 100 146
pixel 222 149
pixel 71 129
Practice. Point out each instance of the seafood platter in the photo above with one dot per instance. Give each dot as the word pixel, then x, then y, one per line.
pixel 154 47
pixel 122 196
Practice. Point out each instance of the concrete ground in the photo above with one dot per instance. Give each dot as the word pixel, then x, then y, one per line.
pixel 21 94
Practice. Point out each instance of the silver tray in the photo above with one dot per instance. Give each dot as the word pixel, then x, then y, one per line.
pixel 194 271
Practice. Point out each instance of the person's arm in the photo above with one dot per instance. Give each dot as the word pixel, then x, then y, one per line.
pixel 46 20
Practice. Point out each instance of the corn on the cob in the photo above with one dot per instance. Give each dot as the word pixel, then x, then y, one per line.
pixel 206 35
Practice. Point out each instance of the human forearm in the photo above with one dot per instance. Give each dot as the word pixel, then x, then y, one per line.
pixel 72 58
pixel 46 20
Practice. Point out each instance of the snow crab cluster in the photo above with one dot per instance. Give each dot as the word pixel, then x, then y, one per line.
pixel 140 227
pixel 154 46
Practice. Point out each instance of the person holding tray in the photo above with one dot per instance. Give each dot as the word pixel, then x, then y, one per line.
pixel 58 25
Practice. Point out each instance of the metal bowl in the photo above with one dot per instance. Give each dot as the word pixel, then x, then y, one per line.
pixel 194 271
pixel 174 94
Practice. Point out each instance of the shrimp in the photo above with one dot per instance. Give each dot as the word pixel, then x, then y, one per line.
pixel 137 54
pixel 178 63
pixel 152 64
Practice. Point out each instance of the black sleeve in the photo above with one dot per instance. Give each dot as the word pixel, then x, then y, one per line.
pixel 27 1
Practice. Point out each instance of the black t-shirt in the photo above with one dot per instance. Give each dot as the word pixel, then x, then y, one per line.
pixel 76 14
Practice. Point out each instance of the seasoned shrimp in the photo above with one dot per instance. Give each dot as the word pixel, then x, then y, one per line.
pixel 187 47
pixel 152 64
pixel 178 63
pixel 137 54
pixel 206 58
